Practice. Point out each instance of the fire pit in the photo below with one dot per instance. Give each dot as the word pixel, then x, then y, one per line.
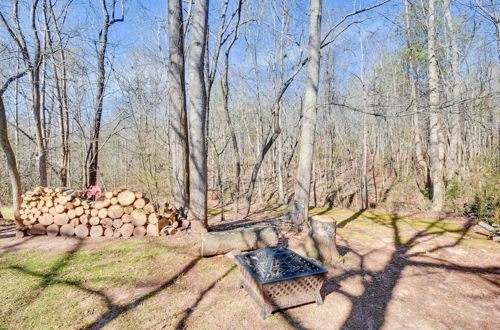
pixel 279 278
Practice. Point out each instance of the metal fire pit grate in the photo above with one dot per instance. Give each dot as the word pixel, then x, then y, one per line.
pixel 279 278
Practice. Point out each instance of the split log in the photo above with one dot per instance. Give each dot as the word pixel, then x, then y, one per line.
pixel 117 233
pixel 126 198
pixel 139 231
pixel 117 223
pixel 67 230
pixel 127 230
pixel 82 231
pixel 320 243
pixel 214 243
pixel 96 231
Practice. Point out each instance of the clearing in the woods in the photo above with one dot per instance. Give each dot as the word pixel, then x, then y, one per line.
pixel 395 271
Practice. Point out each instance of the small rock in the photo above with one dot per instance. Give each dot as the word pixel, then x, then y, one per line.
pixel 232 254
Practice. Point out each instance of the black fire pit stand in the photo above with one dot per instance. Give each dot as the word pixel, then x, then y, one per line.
pixel 278 278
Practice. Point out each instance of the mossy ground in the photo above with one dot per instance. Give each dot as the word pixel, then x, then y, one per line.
pixel 7 212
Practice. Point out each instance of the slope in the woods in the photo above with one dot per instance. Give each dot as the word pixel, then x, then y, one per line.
pixel 395 271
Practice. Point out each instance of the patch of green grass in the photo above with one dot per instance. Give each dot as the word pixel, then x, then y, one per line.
pixel 66 289
pixel 355 234
pixel 217 211
pixel 7 212
pixel 362 226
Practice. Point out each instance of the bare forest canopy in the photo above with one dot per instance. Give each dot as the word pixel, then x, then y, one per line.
pixel 407 99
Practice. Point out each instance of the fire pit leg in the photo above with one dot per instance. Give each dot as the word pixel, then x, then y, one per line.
pixel 265 312
pixel 319 299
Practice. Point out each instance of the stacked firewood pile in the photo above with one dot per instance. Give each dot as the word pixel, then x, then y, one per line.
pixel 171 221
pixel 117 213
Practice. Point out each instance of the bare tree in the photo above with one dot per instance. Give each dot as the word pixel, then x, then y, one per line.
pixel 33 62
pixel 308 130
pixel 436 147
pixel 92 157
pixel 225 102
pixel 452 164
pixel 15 179
pixel 198 184
pixel 177 104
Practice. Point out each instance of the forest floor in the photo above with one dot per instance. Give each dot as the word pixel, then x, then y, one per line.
pixel 396 272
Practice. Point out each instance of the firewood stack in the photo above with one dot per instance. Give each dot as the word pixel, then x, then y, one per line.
pixel 117 213
pixel 171 221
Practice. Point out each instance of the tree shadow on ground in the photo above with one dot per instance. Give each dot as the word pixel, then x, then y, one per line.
pixel 188 311
pixel 52 277
pixel 369 309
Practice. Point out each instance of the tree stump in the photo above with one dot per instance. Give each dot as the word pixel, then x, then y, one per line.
pixel 320 243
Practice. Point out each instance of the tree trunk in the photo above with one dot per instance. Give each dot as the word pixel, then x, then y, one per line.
pixel 177 104
pixel 242 240
pixel 307 133
pixel 197 115
pixel 452 165
pixel 436 147
pixel 15 180
pixel 92 158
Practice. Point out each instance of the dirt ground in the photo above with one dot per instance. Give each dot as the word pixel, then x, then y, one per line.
pixel 395 272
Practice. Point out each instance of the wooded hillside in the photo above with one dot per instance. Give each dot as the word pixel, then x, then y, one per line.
pixel 392 103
